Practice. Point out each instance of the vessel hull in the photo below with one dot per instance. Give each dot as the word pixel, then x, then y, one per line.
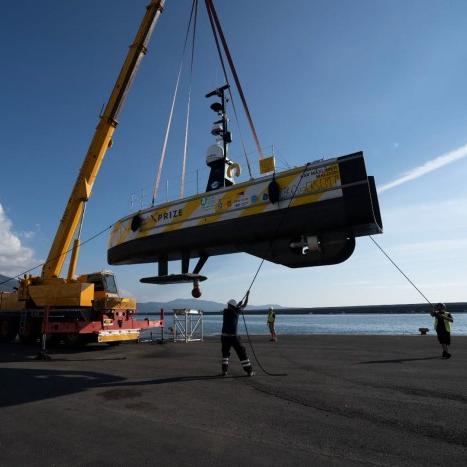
pixel 334 201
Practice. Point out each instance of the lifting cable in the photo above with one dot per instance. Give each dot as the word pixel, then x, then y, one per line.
pixel 185 147
pixel 169 123
pixel 279 225
pixel 217 31
pixel 212 12
pixel 262 262
pixel 400 270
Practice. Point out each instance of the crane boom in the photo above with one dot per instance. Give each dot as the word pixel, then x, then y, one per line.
pixel 88 307
pixel 100 142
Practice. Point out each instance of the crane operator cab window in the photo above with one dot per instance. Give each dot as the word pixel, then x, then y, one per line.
pixel 103 283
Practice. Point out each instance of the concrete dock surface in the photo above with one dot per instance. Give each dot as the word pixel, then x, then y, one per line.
pixel 346 400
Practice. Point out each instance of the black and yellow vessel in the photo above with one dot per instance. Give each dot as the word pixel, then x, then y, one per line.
pixel 305 216
pixel 321 208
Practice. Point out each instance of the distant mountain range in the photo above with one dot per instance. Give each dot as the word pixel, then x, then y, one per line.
pixel 154 307
pixel 7 286
pixel 204 305
pixel 208 306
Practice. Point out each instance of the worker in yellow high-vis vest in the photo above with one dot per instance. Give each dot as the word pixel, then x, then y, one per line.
pixel 442 326
pixel 271 322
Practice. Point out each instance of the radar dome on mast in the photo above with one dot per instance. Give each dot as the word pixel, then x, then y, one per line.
pixel 214 153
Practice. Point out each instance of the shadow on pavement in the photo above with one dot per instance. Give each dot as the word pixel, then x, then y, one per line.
pixel 398 360
pixel 177 379
pixel 23 385
pixel 24 353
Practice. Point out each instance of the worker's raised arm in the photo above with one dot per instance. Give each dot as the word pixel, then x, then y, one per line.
pixel 244 302
pixel 446 316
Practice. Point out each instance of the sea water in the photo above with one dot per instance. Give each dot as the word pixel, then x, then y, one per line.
pixel 384 324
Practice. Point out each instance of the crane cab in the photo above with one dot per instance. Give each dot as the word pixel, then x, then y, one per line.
pixel 106 296
pixel 104 283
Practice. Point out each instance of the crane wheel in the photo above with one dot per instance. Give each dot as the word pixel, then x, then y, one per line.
pixel 8 329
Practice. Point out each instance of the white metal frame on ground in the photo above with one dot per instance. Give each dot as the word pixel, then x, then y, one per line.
pixel 187 325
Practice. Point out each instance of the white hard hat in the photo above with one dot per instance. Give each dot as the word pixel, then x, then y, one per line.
pixel 232 302
pixel 271 308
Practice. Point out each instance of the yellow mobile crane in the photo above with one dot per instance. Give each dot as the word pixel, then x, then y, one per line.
pixel 87 307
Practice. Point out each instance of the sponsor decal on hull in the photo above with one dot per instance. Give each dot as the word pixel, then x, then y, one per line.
pixel 302 186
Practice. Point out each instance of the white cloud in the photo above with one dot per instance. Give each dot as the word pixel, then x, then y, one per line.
pixel 14 257
pixel 427 167
pixel 28 234
pixel 434 246
pixel 428 221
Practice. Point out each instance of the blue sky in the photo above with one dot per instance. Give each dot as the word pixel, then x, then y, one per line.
pixel 322 78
